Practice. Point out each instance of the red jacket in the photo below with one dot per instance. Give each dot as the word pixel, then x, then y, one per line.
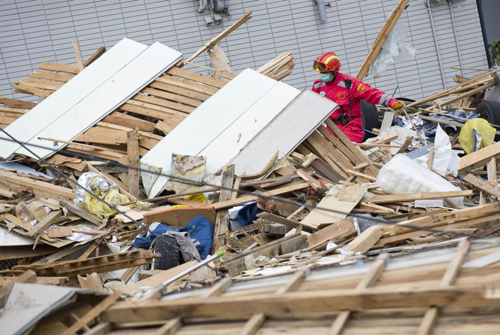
pixel 337 92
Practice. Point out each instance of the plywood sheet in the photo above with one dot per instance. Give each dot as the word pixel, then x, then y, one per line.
pixel 339 202
pixel 204 125
pixel 42 115
pixel 137 74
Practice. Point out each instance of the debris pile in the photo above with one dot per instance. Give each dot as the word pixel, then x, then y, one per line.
pixel 187 195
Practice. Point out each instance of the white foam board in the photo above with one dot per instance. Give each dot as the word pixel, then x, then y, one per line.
pixel 204 125
pixel 229 143
pixel 137 74
pixel 284 133
pixel 91 78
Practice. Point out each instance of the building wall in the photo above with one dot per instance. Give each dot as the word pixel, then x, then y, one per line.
pixel 491 13
pixel 36 31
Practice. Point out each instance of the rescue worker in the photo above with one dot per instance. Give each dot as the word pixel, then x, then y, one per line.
pixel 347 92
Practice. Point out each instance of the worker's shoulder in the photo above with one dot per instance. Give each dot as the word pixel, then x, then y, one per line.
pixel 318 83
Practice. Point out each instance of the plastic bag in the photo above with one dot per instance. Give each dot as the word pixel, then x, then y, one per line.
pixel 394 50
pixel 104 189
pixel 442 154
pixel 486 131
pixel 402 175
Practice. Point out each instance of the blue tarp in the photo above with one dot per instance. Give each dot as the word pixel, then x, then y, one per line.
pixel 203 232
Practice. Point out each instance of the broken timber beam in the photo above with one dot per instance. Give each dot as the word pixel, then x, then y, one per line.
pixel 382 36
pixel 219 37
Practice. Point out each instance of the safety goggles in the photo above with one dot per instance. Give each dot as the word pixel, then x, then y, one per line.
pixel 319 66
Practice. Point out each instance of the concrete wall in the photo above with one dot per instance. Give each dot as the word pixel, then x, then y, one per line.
pixel 36 31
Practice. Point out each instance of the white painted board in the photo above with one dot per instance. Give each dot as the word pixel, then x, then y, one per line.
pixel 110 95
pixel 229 143
pixel 285 132
pixel 91 78
pixel 204 125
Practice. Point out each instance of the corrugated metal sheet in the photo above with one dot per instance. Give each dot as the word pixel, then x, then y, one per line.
pixel 34 31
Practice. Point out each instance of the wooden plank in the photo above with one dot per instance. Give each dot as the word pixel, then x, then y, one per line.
pixel 359 174
pixel 95 56
pixel 368 280
pixel 170 328
pixel 93 313
pixel 187 84
pixel 133 161
pixel 382 36
pixel 13 103
pixel 129 122
pixel 253 325
pixel 340 200
pixel 454 266
pixel 64 192
pixel 162 114
pixel 219 288
pixel 179 90
pixel 183 73
pixel 428 321
pixel 333 232
pixel 81 212
pixel 59 232
pixel 172 97
pixel 31 89
pixel 59 67
pixel 366 239
pixel 78 54
pixel 162 102
pixel 91 282
pixel 371 169
pixel 64 77
pixel 219 59
pixel 222 221
pixel 219 37
pixel 483 185
pixel 492 172
pixel 247 198
pixel 294 282
pixel 393 198
pixel 298 302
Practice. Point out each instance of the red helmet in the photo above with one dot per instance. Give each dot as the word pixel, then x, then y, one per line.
pixel 327 62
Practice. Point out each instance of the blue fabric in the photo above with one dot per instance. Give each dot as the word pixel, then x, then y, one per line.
pixel 203 232
pixel 248 214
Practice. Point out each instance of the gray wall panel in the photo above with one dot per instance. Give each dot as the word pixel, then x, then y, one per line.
pixel 42 30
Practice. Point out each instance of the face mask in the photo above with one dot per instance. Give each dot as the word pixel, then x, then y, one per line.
pixel 325 77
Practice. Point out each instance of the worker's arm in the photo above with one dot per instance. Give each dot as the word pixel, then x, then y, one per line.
pixel 372 95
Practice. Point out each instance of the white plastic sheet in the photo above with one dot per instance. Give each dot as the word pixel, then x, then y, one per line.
pixel 445 160
pixel 394 50
pixel 402 175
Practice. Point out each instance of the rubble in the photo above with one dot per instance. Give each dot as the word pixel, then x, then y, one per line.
pixel 297 226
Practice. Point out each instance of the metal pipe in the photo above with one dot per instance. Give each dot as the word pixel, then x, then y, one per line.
pixel 437 44
pixel 321 8
pixel 456 37
pixel 483 30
